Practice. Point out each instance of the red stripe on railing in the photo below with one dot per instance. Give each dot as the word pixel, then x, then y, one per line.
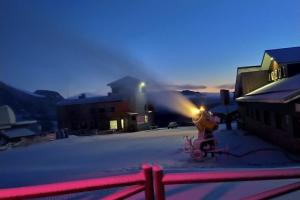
pixel 143 181
pixel 162 180
pixel 275 192
pixel 125 193
pixel 71 187
pixel 244 175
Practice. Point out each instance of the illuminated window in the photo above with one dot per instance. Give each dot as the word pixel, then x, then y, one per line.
pixel 122 123
pixel 113 124
pixel 146 118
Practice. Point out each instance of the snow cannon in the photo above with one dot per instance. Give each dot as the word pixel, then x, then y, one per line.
pixel 205 121
pixel 205 143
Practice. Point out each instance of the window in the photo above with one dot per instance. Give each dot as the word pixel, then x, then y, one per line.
pixel 101 110
pixel 122 123
pixel 278 121
pixel 257 115
pixel 92 110
pixel 113 125
pixel 112 109
pixel 146 118
pixel 267 117
pixel 252 113
pixel 285 71
pixel 247 112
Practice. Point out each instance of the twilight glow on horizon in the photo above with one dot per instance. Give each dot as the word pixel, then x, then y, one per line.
pixel 80 46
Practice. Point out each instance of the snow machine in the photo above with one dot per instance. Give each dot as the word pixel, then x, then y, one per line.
pixel 205 143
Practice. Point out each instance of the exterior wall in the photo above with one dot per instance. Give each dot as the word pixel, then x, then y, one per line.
pixel 134 95
pixel 91 116
pixel 137 103
pixel 251 81
pixel 240 70
pixel 277 123
pixel 266 62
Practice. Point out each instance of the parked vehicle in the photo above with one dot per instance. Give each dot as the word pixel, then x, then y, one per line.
pixel 172 125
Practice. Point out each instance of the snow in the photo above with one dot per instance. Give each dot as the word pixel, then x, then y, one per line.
pixel 87 100
pixel 18 132
pixel 104 155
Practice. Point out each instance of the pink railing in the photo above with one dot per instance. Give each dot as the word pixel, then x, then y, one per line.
pixel 161 180
pixel 143 181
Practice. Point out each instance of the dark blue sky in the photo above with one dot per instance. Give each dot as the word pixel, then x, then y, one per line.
pixel 80 46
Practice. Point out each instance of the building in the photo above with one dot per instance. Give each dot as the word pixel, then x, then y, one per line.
pixel 269 97
pixel 12 130
pixel 125 109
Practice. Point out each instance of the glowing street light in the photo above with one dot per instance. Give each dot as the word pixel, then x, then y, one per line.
pixel 142 84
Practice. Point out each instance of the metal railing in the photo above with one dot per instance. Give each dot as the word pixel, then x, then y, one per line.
pixel 161 180
pixel 151 179
pixel 141 181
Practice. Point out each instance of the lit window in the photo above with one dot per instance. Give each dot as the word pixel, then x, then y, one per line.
pixel 122 123
pixel 113 124
pixel 146 118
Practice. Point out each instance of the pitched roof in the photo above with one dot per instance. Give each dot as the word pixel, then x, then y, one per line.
pixel 248 69
pixel 89 100
pixel 285 55
pixel 125 80
pixel 281 91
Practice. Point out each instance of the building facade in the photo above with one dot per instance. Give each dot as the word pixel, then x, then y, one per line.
pixel 269 97
pixel 124 109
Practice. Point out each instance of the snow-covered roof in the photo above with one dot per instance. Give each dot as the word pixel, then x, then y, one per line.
pixel 18 132
pixel 281 91
pixel 88 100
pixel 248 69
pixel 125 80
pixel 285 55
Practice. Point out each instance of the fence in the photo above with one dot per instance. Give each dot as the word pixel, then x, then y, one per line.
pixel 161 180
pixel 143 181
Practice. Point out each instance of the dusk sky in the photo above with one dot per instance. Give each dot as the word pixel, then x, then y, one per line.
pixel 80 46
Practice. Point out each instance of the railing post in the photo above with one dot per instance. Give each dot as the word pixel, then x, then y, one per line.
pixel 149 191
pixel 158 183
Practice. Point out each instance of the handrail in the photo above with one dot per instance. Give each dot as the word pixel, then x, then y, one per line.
pixel 161 179
pixel 128 192
pixel 143 181
pixel 275 192
pixel 228 176
pixel 140 178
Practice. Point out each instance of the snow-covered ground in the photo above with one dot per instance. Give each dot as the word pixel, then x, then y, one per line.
pixel 104 155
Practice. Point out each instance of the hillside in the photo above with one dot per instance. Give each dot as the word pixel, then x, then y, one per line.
pixel 40 105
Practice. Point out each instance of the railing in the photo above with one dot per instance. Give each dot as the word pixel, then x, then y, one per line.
pixel 161 180
pixel 143 181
